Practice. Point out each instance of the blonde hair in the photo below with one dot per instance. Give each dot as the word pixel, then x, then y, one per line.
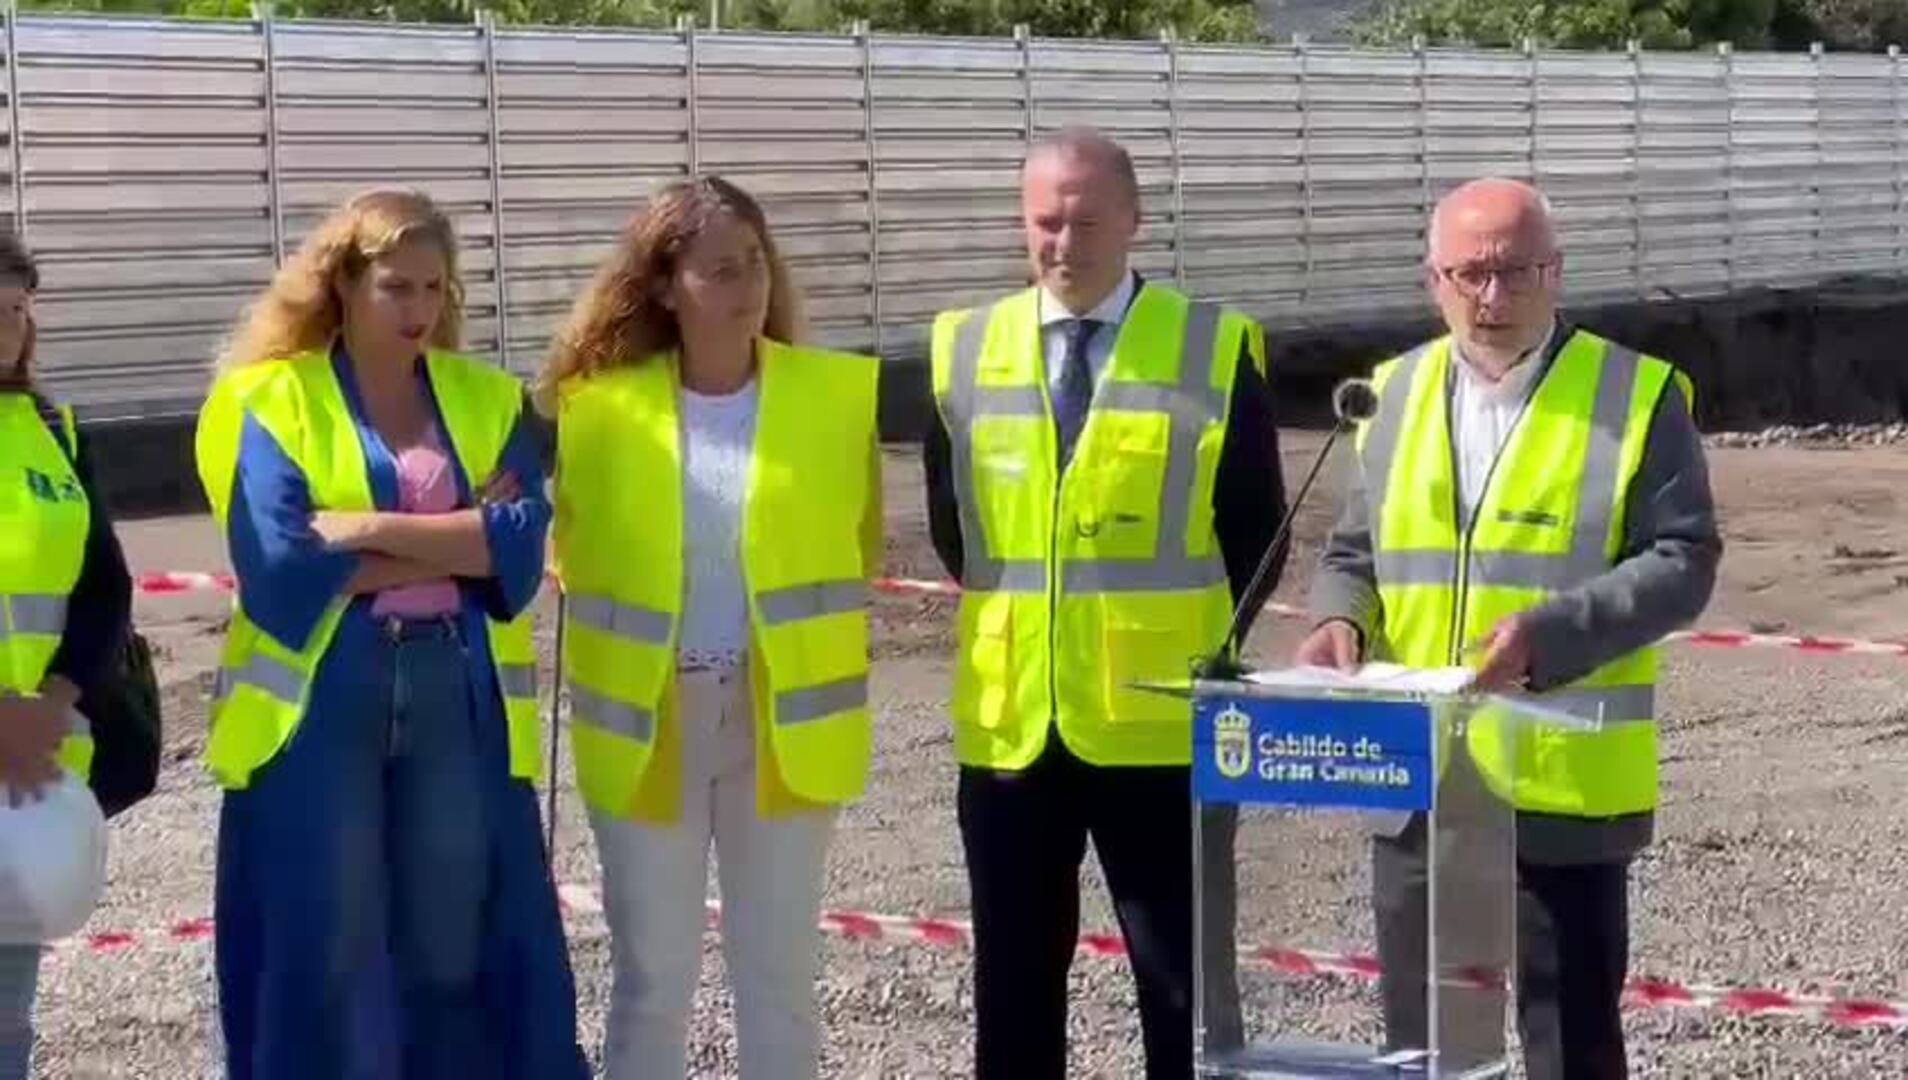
pixel 301 310
pixel 621 319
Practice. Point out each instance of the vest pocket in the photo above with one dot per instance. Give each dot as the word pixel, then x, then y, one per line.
pixel 1114 503
pixel 1139 653
pixel 984 683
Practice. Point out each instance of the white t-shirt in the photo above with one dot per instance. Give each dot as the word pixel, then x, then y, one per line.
pixel 717 443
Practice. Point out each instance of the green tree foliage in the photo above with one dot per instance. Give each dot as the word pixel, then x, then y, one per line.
pixel 1206 20
pixel 1853 25
pixel 1572 24
pixel 1850 25
pixel 1200 20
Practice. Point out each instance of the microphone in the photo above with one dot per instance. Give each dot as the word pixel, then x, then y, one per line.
pixel 1353 402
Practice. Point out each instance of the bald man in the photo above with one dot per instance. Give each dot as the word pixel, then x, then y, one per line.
pixel 1102 480
pixel 1532 501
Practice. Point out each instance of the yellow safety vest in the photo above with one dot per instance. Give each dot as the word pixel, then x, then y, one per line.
pixel 264 684
pixel 1550 518
pixel 44 519
pixel 1079 585
pixel 805 565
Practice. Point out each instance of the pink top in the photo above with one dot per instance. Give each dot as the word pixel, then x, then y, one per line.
pixel 426 485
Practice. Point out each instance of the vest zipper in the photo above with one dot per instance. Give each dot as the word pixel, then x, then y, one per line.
pixel 1060 470
pixel 1461 558
pixel 1053 590
pixel 1461 572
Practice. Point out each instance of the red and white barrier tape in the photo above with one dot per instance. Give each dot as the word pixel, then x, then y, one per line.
pixel 955 934
pixel 186 581
pixel 1724 639
pixel 179 581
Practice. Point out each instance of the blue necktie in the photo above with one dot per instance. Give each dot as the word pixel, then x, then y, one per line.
pixel 1075 395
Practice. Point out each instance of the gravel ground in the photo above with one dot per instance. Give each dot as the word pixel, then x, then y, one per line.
pixel 1824 435
pixel 1777 862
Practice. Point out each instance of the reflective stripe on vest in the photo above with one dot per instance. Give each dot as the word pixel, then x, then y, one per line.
pixel 284 682
pixel 1189 404
pixel 802 563
pixel 798 602
pixel 1599 490
pixel 262 687
pixel 628 621
pixel 810 703
pixel 27 615
pixel 609 715
pixel 265 674
pixel 30 614
pixel 1441 591
pixel 45 518
pixel 517 680
pixel 1137 586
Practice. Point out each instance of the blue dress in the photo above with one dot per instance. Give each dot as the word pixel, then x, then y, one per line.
pixel 384 902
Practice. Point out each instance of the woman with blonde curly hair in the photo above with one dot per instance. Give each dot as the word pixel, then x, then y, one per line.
pixel 374 721
pixel 717 519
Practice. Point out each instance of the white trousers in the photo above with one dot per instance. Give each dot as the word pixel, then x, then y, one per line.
pixel 655 880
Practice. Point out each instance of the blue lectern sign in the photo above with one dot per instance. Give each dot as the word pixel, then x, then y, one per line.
pixel 1323 752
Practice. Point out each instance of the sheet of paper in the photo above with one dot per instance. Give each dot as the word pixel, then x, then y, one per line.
pixel 1394 677
pixel 1397 678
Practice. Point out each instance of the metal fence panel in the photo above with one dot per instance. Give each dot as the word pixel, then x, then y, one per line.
pixel 163 168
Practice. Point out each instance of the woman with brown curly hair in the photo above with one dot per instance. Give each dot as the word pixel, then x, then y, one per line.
pixel 65 598
pixel 375 719
pixel 717 520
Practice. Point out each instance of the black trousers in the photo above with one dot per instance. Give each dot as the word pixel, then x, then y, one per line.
pixel 1573 946
pixel 1025 835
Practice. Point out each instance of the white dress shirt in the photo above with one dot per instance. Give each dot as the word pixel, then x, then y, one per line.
pixel 1056 330
pixel 1484 412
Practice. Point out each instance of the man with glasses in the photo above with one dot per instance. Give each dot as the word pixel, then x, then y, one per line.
pixel 1531 500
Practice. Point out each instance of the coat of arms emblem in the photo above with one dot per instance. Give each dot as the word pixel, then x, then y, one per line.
pixel 1232 743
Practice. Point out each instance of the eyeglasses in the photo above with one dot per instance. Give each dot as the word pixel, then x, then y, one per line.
pixel 1472 280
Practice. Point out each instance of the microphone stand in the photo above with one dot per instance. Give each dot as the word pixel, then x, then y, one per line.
pixel 1353 401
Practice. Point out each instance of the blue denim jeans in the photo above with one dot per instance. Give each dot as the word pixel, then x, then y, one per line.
pixel 369 870
pixel 19 975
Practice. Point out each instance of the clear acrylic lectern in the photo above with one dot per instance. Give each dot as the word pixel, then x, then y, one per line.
pixel 1374 831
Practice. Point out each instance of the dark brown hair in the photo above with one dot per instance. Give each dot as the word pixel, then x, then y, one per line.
pixel 620 318
pixel 18 268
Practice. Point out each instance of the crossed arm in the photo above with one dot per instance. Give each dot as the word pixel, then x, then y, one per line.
pixel 293 560
pixel 402 549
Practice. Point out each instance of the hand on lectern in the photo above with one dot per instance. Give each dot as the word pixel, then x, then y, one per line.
pixel 1506 663
pixel 1334 644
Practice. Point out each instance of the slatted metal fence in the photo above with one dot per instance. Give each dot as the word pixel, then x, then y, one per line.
pixel 161 167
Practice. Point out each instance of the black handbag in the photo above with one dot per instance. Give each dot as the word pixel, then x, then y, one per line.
pixel 123 707
pixel 127 728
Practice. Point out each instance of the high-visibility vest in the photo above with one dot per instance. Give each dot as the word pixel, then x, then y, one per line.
pixel 1079 585
pixel 264 684
pixel 1550 518
pixel 44 520
pixel 619 546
